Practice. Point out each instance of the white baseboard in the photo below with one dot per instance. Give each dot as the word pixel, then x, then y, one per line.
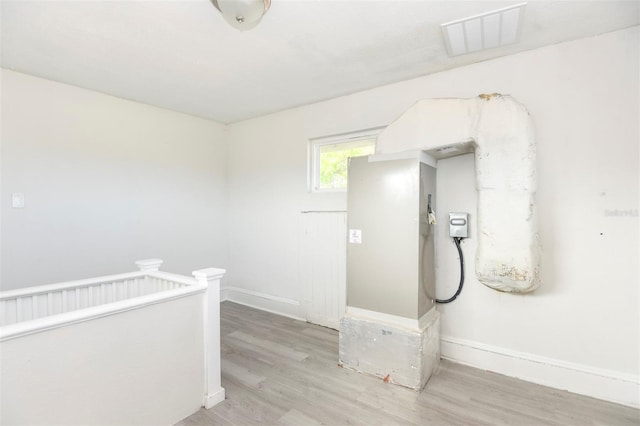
pixel 324 322
pixel 224 294
pixel 577 378
pixel 582 379
pixel 214 398
pixel 266 302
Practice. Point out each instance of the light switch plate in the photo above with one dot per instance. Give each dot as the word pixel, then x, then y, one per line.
pixel 17 200
pixel 355 236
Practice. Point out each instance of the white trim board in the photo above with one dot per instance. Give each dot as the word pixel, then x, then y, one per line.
pixel 392 320
pixel 324 322
pixel 403 155
pixel 265 302
pixel 582 379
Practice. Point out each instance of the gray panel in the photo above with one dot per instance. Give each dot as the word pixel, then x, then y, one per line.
pixel 383 202
pixel 427 281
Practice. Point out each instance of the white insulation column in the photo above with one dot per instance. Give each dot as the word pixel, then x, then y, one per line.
pixel 502 133
pixel 508 254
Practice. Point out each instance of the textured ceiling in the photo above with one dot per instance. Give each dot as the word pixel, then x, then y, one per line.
pixel 182 55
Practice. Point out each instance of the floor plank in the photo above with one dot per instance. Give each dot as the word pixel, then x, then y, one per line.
pixel 279 371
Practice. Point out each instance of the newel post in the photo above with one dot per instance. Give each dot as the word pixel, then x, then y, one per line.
pixel 149 265
pixel 210 277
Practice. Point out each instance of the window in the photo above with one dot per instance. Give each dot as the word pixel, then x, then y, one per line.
pixel 329 159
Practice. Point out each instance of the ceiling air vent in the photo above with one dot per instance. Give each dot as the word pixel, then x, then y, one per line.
pixel 485 31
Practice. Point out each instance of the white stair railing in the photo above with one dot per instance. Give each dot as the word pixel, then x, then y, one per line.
pixel 121 292
pixel 32 303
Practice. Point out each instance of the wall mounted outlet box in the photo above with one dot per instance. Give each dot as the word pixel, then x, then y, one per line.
pixel 458 225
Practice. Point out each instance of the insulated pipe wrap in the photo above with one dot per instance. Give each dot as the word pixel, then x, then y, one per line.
pixel 505 155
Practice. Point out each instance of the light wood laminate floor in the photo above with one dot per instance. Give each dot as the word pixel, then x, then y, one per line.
pixel 279 371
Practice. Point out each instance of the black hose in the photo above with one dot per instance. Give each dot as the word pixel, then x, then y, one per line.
pixel 452 298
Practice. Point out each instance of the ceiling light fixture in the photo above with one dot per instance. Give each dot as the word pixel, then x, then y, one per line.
pixel 242 14
pixel 488 30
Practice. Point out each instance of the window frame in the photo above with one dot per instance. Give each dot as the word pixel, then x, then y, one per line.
pixel 313 155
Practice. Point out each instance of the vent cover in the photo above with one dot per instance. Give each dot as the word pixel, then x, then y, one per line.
pixel 485 31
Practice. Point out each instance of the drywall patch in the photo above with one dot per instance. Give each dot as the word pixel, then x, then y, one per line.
pixel 501 131
pixel 396 354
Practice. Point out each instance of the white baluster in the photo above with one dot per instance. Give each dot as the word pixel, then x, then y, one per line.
pixel 64 301
pixel 4 305
pixel 82 297
pixel 34 307
pixel 18 309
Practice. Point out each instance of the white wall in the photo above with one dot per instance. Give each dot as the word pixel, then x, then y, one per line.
pixel 583 97
pixel 106 182
pixel 143 366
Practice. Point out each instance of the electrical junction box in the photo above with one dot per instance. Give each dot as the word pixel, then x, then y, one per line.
pixel 458 224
